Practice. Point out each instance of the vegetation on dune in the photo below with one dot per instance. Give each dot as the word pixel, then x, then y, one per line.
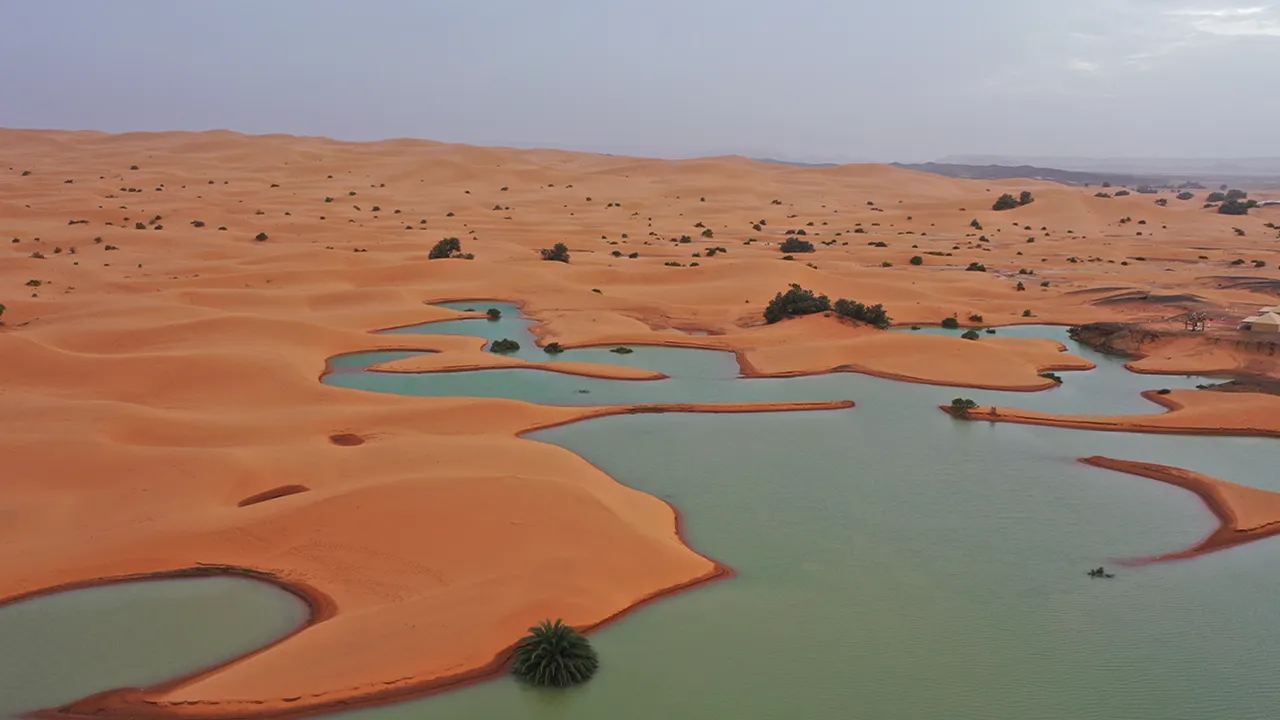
pixel 557 253
pixel 951 323
pixel 870 314
pixel 1052 376
pixel 260 237
pixel 554 655
pixel 1009 202
pixel 796 245
pixel 970 335
pixel 450 247
pixel 1234 206
pixel 795 301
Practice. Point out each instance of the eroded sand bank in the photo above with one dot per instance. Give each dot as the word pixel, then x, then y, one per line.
pixel 156 379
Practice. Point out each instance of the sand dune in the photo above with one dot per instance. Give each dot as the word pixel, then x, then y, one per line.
pixel 152 380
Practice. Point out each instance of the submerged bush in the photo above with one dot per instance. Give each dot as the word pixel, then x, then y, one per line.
pixel 557 253
pixel 505 345
pixel 970 335
pixel 1051 376
pixel 554 655
pixel 796 301
pixel 493 313
pixel 622 350
pixel 553 348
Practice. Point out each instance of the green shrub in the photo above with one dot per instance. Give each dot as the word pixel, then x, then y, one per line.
pixel 1215 197
pixel 1186 195
pixel 1235 207
pixel 558 253
pixel 976 267
pixel 951 323
pixel 796 245
pixel 493 314
pixel 870 314
pixel 504 345
pixel 553 348
pixel 1051 376
pixel 795 301
pixel 917 260
pixel 260 237
pixel 554 655
pixel 960 407
pixel 707 233
pixel 970 335
pixel 445 248
pixel 622 350
pixel 2 309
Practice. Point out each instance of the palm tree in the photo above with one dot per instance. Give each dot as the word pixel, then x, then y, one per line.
pixel 554 655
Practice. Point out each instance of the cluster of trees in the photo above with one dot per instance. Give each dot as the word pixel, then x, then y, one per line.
pixel 557 253
pixel 799 301
pixel 796 245
pixel 1009 202
pixel 450 247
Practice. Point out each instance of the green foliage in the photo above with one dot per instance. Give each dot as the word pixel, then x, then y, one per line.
pixel 2 309
pixel 975 224
pixel 1234 194
pixel 558 253
pixel 493 314
pixel 554 655
pixel 960 407
pixel 976 267
pixel 1052 376
pixel 870 314
pixel 970 335
pixel 951 323
pixel 1235 207
pixel 260 237
pixel 917 260
pixel 445 248
pixel 1215 197
pixel 504 345
pixel 707 233
pixel 795 301
pixel 1186 195
pixel 553 348
pixel 622 350
pixel 1009 202
pixel 796 245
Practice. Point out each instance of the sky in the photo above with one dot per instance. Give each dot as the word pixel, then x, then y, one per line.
pixel 809 80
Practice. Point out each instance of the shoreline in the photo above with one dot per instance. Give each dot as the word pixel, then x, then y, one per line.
pixel 126 703
pixel 1229 532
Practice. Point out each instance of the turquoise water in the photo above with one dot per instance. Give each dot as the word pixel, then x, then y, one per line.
pixel 894 563
pixel 60 648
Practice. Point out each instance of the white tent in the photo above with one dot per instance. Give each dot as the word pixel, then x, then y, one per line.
pixel 1266 322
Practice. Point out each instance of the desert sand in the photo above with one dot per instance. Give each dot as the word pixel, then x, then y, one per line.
pixel 162 410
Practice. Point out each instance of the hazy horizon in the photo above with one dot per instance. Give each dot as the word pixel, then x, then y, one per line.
pixel 808 81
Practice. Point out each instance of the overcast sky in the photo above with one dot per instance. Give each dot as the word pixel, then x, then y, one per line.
pixel 905 80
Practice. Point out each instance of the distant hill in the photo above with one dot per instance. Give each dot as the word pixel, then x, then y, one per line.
pixel 1159 167
pixel 1006 172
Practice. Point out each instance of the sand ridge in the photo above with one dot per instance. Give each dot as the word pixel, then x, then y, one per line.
pixel 169 373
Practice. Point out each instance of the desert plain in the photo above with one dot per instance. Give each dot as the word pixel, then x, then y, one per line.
pixel 172 301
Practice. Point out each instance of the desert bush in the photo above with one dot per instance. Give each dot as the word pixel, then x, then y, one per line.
pixel 1121 193
pixel 1052 376
pixel 1234 194
pixel 960 407
pixel 1009 202
pixel 554 655
pixel 139 226
pixel 795 301
pixel 870 314
pixel 1215 197
pixel 1102 195
pixel 975 318
pixel 950 323
pixel 260 237
pixel 505 345
pixel 976 267
pixel 1162 202
pixel 493 314
pixel 970 335
pixel 621 350
pixel 917 260
pixel 1234 207
pixel 1186 195
pixel 553 348
pixel 975 224
pixel 796 245
pixel 445 248
pixel 557 253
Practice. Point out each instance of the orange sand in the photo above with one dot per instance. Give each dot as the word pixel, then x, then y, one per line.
pixel 1190 412
pixel 148 390
pixel 1244 514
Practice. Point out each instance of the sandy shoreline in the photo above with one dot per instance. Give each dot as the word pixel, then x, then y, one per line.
pixel 161 407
